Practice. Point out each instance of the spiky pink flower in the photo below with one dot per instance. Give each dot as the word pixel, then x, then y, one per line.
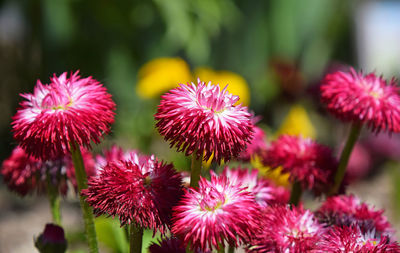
pixel 265 191
pixel 285 229
pixel 141 190
pixel 214 213
pixel 25 174
pixel 367 99
pixel 306 161
pixel 349 210
pixel 66 111
pixel 351 239
pixel 255 147
pixel 203 119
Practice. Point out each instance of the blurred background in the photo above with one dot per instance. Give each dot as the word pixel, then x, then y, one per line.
pixel 272 53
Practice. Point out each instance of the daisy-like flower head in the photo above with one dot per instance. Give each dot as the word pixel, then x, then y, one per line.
pixel 25 174
pixel 214 213
pixel 351 239
pixel 306 161
pixel 140 190
pixel 285 229
pixel 116 153
pixel 367 99
pixel 203 119
pixel 348 210
pixel 68 110
pixel 265 191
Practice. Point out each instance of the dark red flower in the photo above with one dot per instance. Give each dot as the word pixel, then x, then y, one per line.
pixel 138 190
pixel 349 210
pixel 305 160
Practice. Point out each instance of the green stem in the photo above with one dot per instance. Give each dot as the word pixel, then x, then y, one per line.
pixel 54 200
pixel 296 193
pixel 345 156
pixel 87 211
pixel 231 249
pixel 195 170
pixel 221 248
pixel 136 238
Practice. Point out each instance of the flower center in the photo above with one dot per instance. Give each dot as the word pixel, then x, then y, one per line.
pixel 213 201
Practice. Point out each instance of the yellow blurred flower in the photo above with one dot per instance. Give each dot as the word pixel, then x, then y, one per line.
pixel 237 85
pixel 160 75
pixel 297 122
pixel 275 175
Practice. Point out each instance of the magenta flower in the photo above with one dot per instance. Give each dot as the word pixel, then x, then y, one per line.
pixel 306 161
pixel 116 153
pixel 285 229
pixel 349 210
pixel 66 111
pixel 214 213
pixel 204 120
pixel 25 174
pixel 367 99
pixel 265 192
pixel 351 239
pixel 141 190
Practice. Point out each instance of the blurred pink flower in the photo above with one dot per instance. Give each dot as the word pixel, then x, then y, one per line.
pixel 367 99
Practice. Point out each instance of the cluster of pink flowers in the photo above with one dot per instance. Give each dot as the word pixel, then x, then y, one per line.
pixel 236 207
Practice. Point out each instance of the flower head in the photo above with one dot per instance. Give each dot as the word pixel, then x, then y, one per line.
pixel 265 191
pixel 284 229
pixel 68 110
pixel 203 119
pixel 308 162
pixel 25 174
pixel 216 212
pixel 140 190
pixel 349 210
pixel 352 239
pixel 367 99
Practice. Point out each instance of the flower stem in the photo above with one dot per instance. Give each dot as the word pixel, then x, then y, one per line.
pixel 87 211
pixel 54 200
pixel 221 248
pixel 231 249
pixel 296 193
pixel 136 238
pixel 344 157
pixel 195 170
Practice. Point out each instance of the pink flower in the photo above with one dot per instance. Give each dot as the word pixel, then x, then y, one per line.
pixel 25 174
pixel 204 120
pixel 116 153
pixel 140 190
pixel 349 210
pixel 216 212
pixel 66 111
pixel 367 99
pixel 352 239
pixel 285 229
pixel 308 162
pixel 264 191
